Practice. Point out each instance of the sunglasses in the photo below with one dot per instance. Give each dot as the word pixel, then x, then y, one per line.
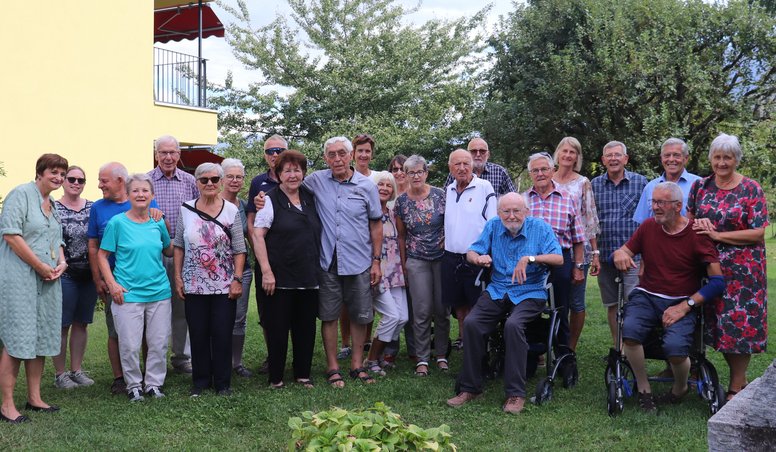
pixel 274 151
pixel 73 180
pixel 213 180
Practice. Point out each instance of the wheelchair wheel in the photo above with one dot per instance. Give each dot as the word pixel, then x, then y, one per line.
pixel 709 387
pixel 543 391
pixel 613 406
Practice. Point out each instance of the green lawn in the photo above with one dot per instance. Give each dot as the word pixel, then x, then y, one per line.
pixel 256 417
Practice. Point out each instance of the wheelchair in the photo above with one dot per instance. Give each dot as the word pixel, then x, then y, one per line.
pixel 620 381
pixel 541 335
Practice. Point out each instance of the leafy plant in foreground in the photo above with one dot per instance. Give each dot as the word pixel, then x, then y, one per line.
pixel 372 429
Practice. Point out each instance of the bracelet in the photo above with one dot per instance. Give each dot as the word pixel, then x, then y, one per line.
pixel 596 252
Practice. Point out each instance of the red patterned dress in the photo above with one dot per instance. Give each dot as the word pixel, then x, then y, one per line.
pixel 736 322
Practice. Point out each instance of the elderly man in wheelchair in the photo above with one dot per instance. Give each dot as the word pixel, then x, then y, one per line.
pixel 518 249
pixel 675 259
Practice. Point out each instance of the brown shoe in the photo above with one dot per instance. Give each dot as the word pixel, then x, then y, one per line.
pixel 514 405
pixel 461 399
pixel 669 398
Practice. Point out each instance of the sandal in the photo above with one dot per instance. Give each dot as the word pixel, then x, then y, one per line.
pixel 366 378
pixel 306 382
pixel 334 378
pixel 442 364
pixel 421 372
pixel 280 385
pixel 732 393
pixel 374 367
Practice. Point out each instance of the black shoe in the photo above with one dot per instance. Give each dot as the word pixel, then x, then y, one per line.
pixel 50 409
pixel 647 403
pixel 195 392
pixel 119 386
pixel 226 392
pixel 19 420
pixel 264 368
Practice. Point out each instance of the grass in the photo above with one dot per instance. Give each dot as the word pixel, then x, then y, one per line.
pixel 256 418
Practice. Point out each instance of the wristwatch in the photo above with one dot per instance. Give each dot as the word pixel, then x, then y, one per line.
pixel 237 279
pixel 579 265
pixel 690 302
pixel 376 258
pixel 531 259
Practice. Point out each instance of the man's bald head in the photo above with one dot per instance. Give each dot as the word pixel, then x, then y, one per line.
pixel 512 211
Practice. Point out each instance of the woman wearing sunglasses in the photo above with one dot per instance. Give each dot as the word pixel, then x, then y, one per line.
pixel 209 259
pixel 79 296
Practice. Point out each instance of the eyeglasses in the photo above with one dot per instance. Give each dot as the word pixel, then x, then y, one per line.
pixel 543 170
pixel 478 151
pixel 73 180
pixel 168 153
pixel 662 202
pixel 508 212
pixel 613 155
pixel 274 151
pixel 236 177
pixel 213 180
pixel 334 154
pixel 416 173
pixel 396 169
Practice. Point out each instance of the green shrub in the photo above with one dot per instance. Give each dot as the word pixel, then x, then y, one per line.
pixel 372 429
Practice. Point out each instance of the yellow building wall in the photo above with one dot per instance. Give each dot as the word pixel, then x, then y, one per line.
pixel 77 80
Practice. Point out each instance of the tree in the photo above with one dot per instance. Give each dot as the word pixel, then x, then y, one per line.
pixel 343 67
pixel 634 71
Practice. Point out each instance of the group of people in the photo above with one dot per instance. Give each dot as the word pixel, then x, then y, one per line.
pixel 168 252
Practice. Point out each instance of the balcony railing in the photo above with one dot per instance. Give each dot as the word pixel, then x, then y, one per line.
pixel 179 78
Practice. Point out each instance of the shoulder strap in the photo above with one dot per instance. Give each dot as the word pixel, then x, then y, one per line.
pixel 207 217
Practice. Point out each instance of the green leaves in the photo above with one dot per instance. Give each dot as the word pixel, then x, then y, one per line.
pixel 372 429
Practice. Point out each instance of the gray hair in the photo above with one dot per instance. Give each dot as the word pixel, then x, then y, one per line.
pixel 117 170
pixel 277 137
pixel 672 188
pixel 208 167
pixel 540 155
pixel 139 177
pixel 614 144
pixel 230 163
pixel 334 140
pixel 385 175
pixel 166 139
pixel 676 142
pixel 727 144
pixel 413 161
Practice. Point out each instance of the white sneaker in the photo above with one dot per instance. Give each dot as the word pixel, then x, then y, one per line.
pixel 80 378
pixel 155 392
pixel 63 381
pixel 135 395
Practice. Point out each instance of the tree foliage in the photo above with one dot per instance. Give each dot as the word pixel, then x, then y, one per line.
pixel 633 71
pixel 342 67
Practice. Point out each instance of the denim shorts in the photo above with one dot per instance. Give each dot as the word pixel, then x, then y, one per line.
pixel 644 312
pixel 78 301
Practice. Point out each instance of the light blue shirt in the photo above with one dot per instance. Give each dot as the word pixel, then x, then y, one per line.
pixel 644 208
pixel 535 238
pixel 345 209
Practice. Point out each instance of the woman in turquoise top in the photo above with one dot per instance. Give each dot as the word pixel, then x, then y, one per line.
pixel 32 260
pixel 139 288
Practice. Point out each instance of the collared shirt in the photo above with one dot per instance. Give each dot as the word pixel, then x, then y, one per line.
pixel 495 174
pixel 345 209
pixel 262 182
pixel 616 205
pixel 172 192
pixel 559 210
pixel 644 209
pixel 535 238
pixel 467 212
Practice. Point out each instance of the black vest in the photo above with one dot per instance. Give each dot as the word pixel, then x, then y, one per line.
pixel 294 240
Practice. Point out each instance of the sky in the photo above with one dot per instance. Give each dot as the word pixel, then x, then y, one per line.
pixel 219 54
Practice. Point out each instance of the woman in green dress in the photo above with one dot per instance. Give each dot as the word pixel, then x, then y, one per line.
pixel 32 260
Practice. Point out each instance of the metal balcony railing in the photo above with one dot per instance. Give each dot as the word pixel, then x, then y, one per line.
pixel 179 78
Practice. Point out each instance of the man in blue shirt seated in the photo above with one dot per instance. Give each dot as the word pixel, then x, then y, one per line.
pixel 518 250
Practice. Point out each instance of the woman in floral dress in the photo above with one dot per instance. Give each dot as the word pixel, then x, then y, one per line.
pixel 421 224
pixel 731 209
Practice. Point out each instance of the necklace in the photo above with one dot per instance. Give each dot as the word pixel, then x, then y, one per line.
pixel 728 184
pixel 686 222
